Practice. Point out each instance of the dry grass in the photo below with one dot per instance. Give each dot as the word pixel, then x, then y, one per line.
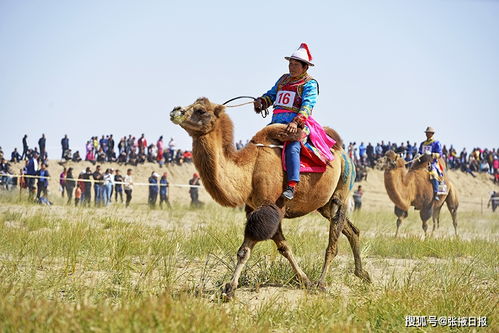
pixel 71 269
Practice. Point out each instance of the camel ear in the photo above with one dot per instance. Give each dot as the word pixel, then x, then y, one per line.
pixel 219 109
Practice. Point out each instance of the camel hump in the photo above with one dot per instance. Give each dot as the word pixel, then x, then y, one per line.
pixel 335 136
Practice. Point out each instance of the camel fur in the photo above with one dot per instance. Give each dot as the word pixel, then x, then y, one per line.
pixel 254 177
pixel 412 187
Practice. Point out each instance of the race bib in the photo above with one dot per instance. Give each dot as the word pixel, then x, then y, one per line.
pixel 285 98
pixel 427 149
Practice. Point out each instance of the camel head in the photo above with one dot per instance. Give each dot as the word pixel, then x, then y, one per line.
pixel 392 161
pixel 198 118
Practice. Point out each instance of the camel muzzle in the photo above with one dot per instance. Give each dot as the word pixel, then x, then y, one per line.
pixel 177 115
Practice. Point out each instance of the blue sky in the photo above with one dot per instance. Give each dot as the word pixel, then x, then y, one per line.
pixel 386 69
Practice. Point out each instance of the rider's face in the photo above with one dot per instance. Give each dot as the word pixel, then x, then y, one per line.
pixel 296 68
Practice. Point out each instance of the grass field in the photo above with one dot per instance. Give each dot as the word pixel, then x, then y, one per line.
pixel 71 269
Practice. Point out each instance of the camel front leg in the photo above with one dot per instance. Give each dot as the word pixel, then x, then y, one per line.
pixel 285 250
pixel 401 214
pixel 243 255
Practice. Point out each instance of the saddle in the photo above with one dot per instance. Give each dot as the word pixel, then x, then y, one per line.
pixel 276 135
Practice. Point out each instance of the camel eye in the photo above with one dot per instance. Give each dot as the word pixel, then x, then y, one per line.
pixel 200 111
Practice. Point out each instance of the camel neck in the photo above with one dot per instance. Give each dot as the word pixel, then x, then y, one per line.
pixel 398 184
pixel 226 173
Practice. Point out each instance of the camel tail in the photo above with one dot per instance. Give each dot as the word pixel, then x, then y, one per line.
pixel 263 223
pixel 335 136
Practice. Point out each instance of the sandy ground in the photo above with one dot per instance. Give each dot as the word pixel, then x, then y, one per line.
pixel 473 192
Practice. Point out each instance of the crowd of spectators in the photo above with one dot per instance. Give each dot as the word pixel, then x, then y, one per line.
pixel 128 151
pixel 132 151
pixel 479 160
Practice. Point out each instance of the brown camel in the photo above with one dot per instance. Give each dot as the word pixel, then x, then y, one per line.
pixel 413 188
pixel 253 176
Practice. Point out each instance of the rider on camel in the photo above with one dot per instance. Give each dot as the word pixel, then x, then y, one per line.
pixel 433 148
pixel 293 98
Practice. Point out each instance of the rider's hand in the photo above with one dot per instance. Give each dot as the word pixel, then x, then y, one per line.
pixel 292 128
pixel 257 105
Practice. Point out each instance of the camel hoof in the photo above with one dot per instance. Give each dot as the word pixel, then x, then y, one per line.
pixel 307 284
pixel 227 293
pixel 364 276
pixel 321 286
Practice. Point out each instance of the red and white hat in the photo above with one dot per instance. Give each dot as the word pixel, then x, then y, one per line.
pixel 302 54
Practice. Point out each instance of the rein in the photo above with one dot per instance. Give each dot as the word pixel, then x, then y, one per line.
pixel 264 112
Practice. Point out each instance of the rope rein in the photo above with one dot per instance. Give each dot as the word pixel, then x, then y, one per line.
pixel 264 112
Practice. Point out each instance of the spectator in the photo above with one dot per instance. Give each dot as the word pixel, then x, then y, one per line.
pixel 77 195
pixel 15 157
pixel 102 146
pixel 67 155
pixel 378 150
pixel 357 198
pixel 76 156
pixel 142 143
pixel 64 145
pixel 70 185
pixel 187 157
pixel 118 186
pixel 495 166
pixel 87 187
pixel 25 147
pixel 362 153
pixel 370 154
pixel 6 174
pixel 23 184
pixel 171 150
pixel 153 189
pixel 42 145
pixel 89 156
pixel 163 191
pixel 31 171
pixel 160 146
pixel 128 187
pixel 107 187
pixel 98 177
pixel 62 181
pixel 494 200
pixel 111 155
pixel 122 146
pixel 43 181
pixel 194 191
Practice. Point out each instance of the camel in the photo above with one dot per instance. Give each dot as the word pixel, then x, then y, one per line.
pixel 254 177
pixel 413 188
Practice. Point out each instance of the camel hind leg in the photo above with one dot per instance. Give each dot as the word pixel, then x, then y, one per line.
pixel 334 211
pixel 425 215
pixel 452 204
pixel 339 223
pixel 352 233
pixel 436 217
